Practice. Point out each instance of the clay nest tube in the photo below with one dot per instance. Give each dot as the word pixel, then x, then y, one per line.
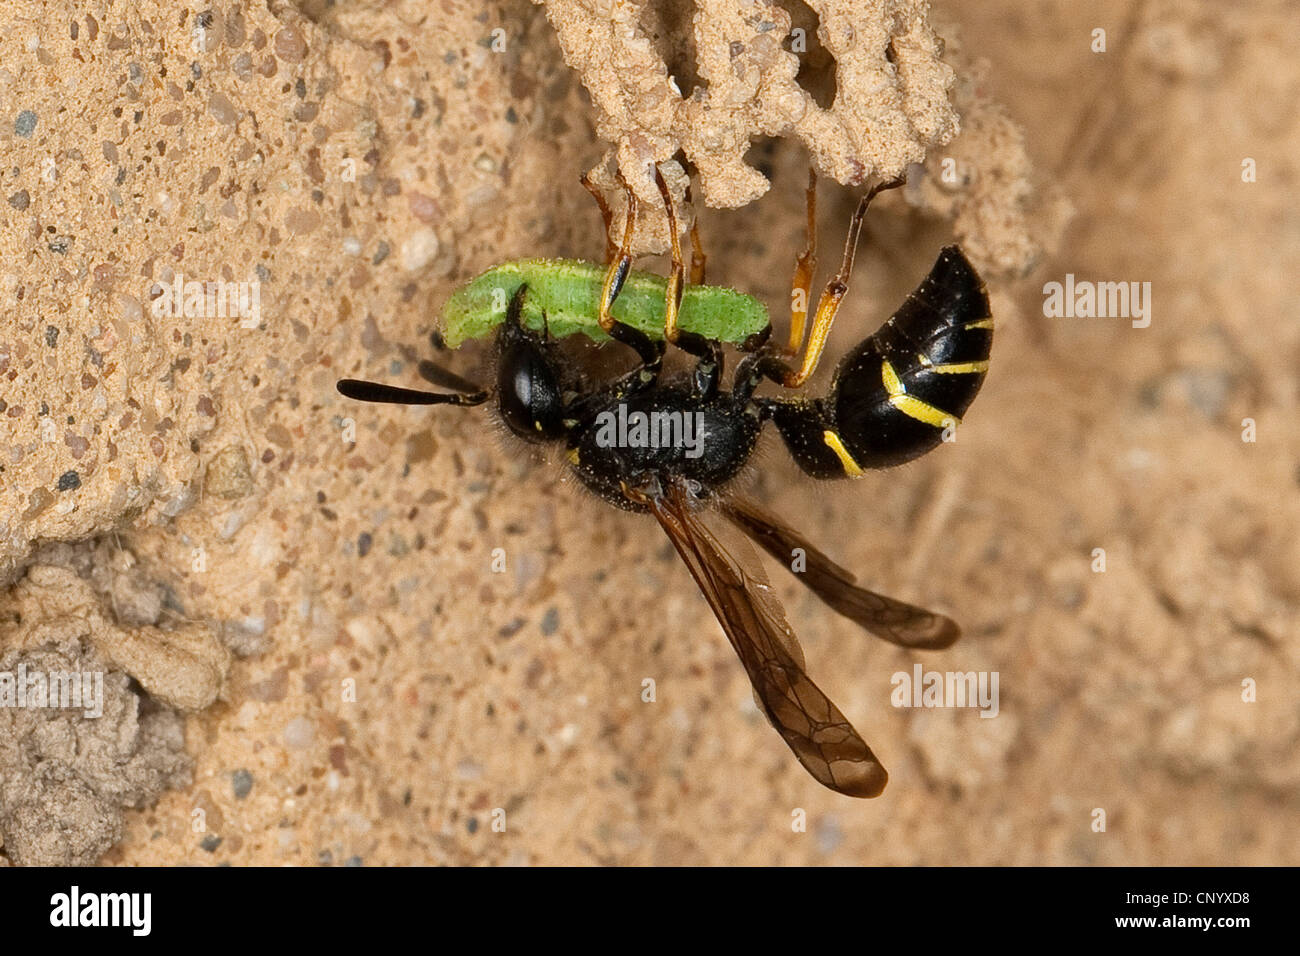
pixel 890 102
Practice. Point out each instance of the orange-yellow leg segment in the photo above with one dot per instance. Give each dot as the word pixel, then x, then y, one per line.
pixel 620 261
pixel 673 299
pixel 804 267
pixel 698 258
pixel 831 296
pixel 611 248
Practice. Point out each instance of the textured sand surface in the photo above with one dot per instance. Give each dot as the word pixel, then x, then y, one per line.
pixel 392 698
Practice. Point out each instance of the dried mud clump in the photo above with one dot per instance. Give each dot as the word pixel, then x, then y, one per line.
pixel 87 612
pixel 984 181
pixel 67 777
pixel 890 101
pixel 97 591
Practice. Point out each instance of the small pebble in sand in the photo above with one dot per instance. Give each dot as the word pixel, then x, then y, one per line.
pixel 290 45
pixel 69 481
pixel 419 249
pixel 25 124
pixel 299 733
pixel 241 782
pixel 229 475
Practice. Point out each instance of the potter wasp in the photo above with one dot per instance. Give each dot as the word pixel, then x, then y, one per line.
pixel 892 399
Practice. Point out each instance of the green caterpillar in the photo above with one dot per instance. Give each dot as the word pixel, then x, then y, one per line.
pixel 568 291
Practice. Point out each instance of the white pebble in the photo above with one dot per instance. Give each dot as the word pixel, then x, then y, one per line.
pixel 299 733
pixel 419 249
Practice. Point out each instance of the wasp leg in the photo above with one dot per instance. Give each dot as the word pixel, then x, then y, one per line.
pixel 804 267
pixel 758 341
pixel 698 258
pixel 832 294
pixel 709 352
pixel 607 214
pixel 673 297
pixel 618 258
pixel 650 351
pixel 758 363
pixel 619 263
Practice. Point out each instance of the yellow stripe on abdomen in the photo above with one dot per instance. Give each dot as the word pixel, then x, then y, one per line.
pixel 910 405
pixel 835 444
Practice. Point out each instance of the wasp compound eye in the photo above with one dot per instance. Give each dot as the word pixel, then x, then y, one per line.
pixel 528 393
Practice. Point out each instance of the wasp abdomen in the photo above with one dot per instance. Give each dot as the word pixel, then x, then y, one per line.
pixel 898 392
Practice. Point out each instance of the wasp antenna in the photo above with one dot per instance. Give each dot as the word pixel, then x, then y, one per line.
pixel 435 374
pixel 394 395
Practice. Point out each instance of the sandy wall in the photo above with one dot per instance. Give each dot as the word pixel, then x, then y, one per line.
pixel 308 654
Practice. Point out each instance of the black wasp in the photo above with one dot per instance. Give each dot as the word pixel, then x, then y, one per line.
pixel 892 399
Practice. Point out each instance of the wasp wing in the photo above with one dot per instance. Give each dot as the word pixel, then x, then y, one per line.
pixel 895 621
pixel 813 728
